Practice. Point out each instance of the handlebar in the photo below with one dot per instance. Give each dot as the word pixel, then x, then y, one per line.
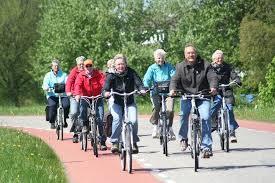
pixel 92 97
pixel 199 95
pixel 125 94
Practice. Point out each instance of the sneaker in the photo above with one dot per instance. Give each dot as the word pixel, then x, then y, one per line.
pixel 135 148
pixel 75 138
pixel 103 146
pixel 233 138
pixel 65 125
pixel 171 134
pixel 84 129
pixel 183 144
pixel 155 133
pixel 52 126
pixel 206 153
pixel 114 147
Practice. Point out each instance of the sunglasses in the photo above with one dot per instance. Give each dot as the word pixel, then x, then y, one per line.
pixel 88 65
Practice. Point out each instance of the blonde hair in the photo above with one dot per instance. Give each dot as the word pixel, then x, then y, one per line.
pixel 217 52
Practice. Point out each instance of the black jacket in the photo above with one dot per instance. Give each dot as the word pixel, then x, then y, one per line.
pixel 126 82
pixel 193 78
pixel 226 73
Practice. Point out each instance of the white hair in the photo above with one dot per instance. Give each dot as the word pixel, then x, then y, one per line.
pixel 120 56
pixel 55 61
pixel 217 52
pixel 80 59
pixel 159 52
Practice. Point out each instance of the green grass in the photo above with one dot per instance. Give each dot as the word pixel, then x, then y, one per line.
pixel 242 111
pixel 24 158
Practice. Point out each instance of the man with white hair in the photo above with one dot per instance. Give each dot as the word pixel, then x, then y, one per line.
pixel 225 73
pixel 55 76
pixel 71 93
pixel 160 71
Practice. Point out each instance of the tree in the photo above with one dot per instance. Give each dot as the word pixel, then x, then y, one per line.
pixel 17 35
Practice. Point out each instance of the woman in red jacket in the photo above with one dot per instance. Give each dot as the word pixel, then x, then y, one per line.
pixel 90 83
pixel 74 105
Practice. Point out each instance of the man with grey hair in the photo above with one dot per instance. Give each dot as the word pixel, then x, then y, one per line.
pixel 56 75
pixel 194 75
pixel 225 73
pixel 70 92
pixel 160 71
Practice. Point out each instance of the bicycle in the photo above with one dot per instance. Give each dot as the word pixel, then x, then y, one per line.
pixel 59 88
pixel 195 125
pixel 91 101
pixel 223 121
pixel 163 91
pixel 125 154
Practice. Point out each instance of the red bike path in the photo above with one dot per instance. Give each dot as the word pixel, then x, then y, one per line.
pixel 82 167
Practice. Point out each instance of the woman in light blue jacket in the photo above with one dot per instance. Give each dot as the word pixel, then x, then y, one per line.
pixel 55 76
pixel 161 70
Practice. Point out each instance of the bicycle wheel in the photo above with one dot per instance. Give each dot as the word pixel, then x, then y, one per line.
pixel 220 131
pixel 195 148
pixel 94 135
pixel 57 128
pixel 226 130
pixel 128 148
pixel 165 136
pixel 122 157
pixel 61 118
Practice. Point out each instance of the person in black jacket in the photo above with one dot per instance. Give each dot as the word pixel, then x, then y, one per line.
pixel 124 79
pixel 225 73
pixel 193 75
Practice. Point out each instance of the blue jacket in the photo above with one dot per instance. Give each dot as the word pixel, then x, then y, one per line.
pixel 156 73
pixel 50 79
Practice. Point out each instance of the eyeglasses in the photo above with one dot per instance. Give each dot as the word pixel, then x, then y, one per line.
pixel 88 66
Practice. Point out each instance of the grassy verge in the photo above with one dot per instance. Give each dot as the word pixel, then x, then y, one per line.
pixel 248 112
pixel 24 158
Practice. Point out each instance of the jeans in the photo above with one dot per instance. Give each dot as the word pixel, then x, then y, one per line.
pixel 203 108
pixel 217 103
pixel 156 101
pixel 74 110
pixel 83 119
pixel 117 113
pixel 53 105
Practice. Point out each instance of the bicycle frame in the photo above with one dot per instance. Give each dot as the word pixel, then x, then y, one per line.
pixel 163 124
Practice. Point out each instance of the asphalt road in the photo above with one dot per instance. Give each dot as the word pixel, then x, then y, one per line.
pixel 251 160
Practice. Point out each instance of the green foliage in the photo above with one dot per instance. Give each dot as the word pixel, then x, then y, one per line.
pixel 267 91
pixel 24 158
pixel 17 35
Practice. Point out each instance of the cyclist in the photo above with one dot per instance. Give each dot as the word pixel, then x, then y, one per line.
pixel 161 70
pixel 74 105
pixel 125 79
pixel 194 75
pixel 225 73
pixel 56 75
pixel 89 83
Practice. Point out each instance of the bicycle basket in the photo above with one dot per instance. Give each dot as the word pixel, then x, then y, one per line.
pixel 163 86
pixel 59 87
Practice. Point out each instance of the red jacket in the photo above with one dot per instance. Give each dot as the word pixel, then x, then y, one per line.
pixel 89 86
pixel 71 80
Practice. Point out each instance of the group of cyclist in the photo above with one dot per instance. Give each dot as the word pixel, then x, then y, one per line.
pixel 192 75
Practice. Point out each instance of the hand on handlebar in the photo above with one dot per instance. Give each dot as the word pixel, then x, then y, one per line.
pixel 77 98
pixel 172 93
pixel 107 94
pixel 213 91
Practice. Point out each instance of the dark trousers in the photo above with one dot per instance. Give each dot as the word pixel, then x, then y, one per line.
pixel 53 105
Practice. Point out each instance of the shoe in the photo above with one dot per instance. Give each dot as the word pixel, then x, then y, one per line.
pixel 206 153
pixel 65 125
pixel 135 148
pixel 233 138
pixel 155 133
pixel 75 138
pixel 114 147
pixel 103 146
pixel 183 144
pixel 84 129
pixel 171 134
pixel 52 126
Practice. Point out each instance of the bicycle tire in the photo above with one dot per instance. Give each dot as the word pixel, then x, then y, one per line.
pixel 165 136
pixel 122 157
pixel 128 148
pixel 94 135
pixel 195 146
pixel 221 130
pixel 84 141
pixel 61 123
pixel 226 128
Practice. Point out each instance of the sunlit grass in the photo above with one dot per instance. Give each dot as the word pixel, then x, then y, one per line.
pixel 24 158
